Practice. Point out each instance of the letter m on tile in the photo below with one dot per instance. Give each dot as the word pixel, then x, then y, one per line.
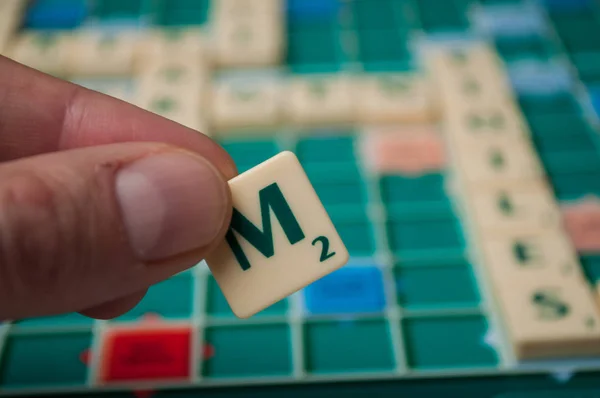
pixel 271 199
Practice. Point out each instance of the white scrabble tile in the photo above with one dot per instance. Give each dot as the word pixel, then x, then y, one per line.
pixel 550 318
pixel 46 52
pixel 394 98
pixel 102 54
pixel 510 256
pixel 248 43
pixel 182 44
pixel 11 13
pixel 526 205
pixel 183 107
pixel 245 104
pixel 483 162
pixel 246 9
pixel 321 100
pixel 280 240
pixel 174 74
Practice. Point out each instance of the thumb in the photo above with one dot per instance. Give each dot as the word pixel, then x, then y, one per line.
pixel 90 226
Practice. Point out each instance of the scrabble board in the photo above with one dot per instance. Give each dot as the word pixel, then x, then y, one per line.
pixel 453 143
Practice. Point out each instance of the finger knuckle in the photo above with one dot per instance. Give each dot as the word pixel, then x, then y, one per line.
pixel 36 236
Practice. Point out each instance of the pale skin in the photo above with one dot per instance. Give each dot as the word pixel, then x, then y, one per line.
pixel 99 199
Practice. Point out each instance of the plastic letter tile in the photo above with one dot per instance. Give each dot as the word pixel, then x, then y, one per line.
pixel 93 54
pixel 527 205
pixel 550 317
pixel 429 345
pixel 410 152
pixel 394 98
pixel 173 44
pixel 501 160
pixel 248 104
pixel 46 52
pixel 582 223
pixel 510 256
pixel 248 42
pixel 179 105
pixel 280 238
pixel 348 347
pixel 217 304
pixel 320 100
pixel 149 353
pixel 348 290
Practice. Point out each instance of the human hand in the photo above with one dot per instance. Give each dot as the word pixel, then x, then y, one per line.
pixel 98 199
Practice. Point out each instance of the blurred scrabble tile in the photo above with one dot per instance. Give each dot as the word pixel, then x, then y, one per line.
pixel 46 52
pixel 407 151
pixel 11 13
pixel 550 318
pixel 174 74
pixel 527 205
pixel 248 43
pixel 102 54
pixel 320 100
pixel 484 122
pixel 246 9
pixel 263 258
pixel 245 104
pixel 496 160
pixel 515 255
pixel 476 58
pixel 182 107
pixel 394 98
pixel 484 88
pixel 180 44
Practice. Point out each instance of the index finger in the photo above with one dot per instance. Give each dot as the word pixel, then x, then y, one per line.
pixel 41 114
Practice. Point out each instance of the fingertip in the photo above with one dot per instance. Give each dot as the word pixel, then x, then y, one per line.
pixel 115 308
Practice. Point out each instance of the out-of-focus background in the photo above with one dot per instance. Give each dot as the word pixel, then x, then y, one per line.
pixel 454 144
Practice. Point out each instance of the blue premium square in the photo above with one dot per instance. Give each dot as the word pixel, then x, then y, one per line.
pixel 348 290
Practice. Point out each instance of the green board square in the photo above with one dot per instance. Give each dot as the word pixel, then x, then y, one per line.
pixel 436 286
pixel 182 12
pixel 559 103
pixel 249 153
pixel 588 66
pixel 518 48
pixel 442 16
pixel 447 342
pixel 171 299
pixel 326 148
pixel 373 14
pixel 424 188
pixel 44 360
pixel 428 236
pixel 68 320
pixel 348 346
pixel 573 186
pixel 358 236
pixel 249 351
pixel 216 304
pixel 591 267
pixel 314 47
pixel 117 9
pixel 382 45
pixel 341 193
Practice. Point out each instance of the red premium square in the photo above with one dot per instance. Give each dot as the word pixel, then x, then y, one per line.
pixel 147 354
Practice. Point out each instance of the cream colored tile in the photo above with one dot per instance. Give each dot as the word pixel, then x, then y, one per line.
pixel 266 258
pixel 182 107
pixel 11 14
pixel 46 52
pixel 515 255
pixel 94 54
pixel 394 98
pixel 484 122
pixel 321 100
pixel 246 9
pixel 248 43
pixel 550 317
pixel 174 74
pixel 246 104
pixel 181 44
pixel 482 162
pixel 527 205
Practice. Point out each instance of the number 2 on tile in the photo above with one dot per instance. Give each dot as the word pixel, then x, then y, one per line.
pixel 325 254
